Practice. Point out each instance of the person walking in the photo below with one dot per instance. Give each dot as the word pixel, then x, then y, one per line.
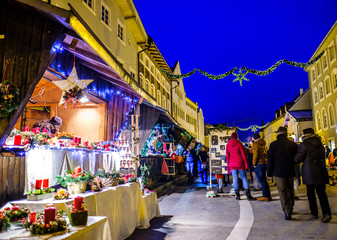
pixel 314 173
pixel 203 164
pixel 189 165
pixel 280 163
pixel 260 164
pixel 249 155
pixel 237 164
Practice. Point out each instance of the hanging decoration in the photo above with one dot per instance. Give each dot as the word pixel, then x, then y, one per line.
pixel 240 76
pixel 71 87
pixel 9 95
pixel 254 128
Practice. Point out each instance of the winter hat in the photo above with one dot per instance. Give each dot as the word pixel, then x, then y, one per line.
pixel 308 131
pixel 256 136
pixel 57 121
pixel 234 135
pixel 282 130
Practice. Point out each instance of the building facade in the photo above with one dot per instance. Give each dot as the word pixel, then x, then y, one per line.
pixel 323 84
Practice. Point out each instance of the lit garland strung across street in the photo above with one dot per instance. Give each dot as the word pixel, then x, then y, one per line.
pixel 241 75
pixel 253 127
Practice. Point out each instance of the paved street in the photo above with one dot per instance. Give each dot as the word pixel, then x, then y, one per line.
pixel 188 214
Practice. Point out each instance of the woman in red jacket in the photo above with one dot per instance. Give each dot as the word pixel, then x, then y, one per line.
pixel 237 164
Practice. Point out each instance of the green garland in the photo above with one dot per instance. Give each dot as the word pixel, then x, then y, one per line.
pixel 253 127
pixel 9 98
pixel 241 75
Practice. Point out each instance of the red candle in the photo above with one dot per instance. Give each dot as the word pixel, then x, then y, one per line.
pixel 45 130
pixel 46 183
pixel 32 217
pixel 78 203
pixel 38 183
pixel 26 129
pixel 15 208
pixel 49 214
pixel 78 140
pixel 17 140
pixel 25 141
pixel 86 144
pixel 74 139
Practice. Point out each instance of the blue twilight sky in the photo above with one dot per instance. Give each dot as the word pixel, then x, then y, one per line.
pixel 216 36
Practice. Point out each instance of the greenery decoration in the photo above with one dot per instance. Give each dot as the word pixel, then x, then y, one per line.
pixel 254 128
pixel 9 98
pixel 39 227
pixel 4 222
pixel 15 213
pixel 241 75
pixel 217 128
pixel 83 176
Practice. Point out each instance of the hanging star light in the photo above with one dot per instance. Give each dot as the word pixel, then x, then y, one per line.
pixel 240 76
pixel 71 82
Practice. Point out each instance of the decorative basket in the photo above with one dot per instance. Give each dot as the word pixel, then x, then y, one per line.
pixel 78 218
pixel 110 182
pixel 75 188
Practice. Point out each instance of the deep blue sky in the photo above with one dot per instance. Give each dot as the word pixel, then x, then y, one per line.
pixel 216 36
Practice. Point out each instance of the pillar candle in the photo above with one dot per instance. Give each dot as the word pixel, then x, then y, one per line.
pixel 26 129
pixel 86 144
pixel 45 130
pixel 78 140
pixel 15 208
pixel 74 139
pixel 17 140
pixel 49 214
pixel 46 183
pixel 38 183
pixel 78 203
pixel 32 217
pixel 78 169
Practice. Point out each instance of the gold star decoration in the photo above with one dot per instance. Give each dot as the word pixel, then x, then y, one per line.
pixel 240 76
pixel 254 128
pixel 71 82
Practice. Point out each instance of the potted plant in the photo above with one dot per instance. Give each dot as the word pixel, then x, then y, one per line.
pixel 76 181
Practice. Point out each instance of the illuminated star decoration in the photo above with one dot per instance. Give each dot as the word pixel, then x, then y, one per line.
pixel 71 82
pixel 254 128
pixel 240 76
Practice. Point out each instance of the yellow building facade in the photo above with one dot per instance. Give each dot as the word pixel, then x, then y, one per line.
pixel 323 85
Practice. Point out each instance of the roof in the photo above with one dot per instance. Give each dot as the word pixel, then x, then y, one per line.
pixel 301 114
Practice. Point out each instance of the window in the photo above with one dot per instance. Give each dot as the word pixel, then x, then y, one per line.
pixel 89 3
pixel 168 105
pixel 158 97
pixel 325 119
pixel 105 15
pixel 313 75
pixel 332 50
pixel 164 102
pixel 321 93
pixel 120 33
pixel 133 75
pixel 153 90
pixel 335 79
pixel 331 116
pixel 325 62
pixel 318 120
pixel 327 86
pixel 147 86
pixel 318 68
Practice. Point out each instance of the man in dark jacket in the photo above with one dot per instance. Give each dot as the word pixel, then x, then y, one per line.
pixel 281 164
pixel 314 173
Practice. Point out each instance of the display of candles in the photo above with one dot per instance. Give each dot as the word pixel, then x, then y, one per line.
pixel 46 183
pixel 78 203
pixel 32 217
pixel 38 183
pixel 17 139
pixel 26 129
pixel 49 214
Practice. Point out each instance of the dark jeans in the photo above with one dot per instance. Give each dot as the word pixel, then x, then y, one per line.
pixel 203 176
pixel 323 199
pixel 285 187
pixel 260 172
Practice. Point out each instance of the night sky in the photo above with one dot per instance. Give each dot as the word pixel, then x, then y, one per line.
pixel 216 36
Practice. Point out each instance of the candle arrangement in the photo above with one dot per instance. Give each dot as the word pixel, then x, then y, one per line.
pixel 4 222
pixel 16 213
pixel 77 212
pixel 61 194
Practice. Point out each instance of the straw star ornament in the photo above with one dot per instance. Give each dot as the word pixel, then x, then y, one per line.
pixel 71 82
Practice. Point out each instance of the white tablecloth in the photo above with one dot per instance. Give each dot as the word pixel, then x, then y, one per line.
pixel 124 206
pixel 49 163
pixel 97 228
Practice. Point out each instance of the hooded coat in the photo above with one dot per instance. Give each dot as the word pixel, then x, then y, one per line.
pixel 259 152
pixel 312 153
pixel 235 155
